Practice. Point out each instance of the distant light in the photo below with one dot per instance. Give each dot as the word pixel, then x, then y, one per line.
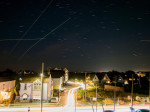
pixel 20 79
pixel 41 75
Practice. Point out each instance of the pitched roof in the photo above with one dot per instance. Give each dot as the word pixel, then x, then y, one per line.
pixel 100 76
pixel 32 79
pixel 95 79
pixel 57 73
pixel 5 79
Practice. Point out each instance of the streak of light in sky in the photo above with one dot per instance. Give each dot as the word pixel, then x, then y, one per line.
pixel 42 38
pixel 19 39
pixel 31 26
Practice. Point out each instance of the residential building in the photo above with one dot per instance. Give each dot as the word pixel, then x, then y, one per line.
pixel 30 89
pixel 7 87
pixel 59 72
pixel 127 77
pixel 57 84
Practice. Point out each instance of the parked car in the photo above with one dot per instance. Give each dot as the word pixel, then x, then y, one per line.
pixel 80 88
pixel 54 99
pixel 143 110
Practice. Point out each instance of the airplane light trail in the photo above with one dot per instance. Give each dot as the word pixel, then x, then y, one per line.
pixel 31 26
pixel 42 38
pixel 19 39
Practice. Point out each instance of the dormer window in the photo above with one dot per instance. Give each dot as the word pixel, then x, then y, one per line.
pixel 37 85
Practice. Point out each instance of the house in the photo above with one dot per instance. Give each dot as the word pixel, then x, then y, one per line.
pixel 144 78
pixel 103 78
pixel 7 87
pixel 26 72
pixel 116 83
pixel 57 84
pixel 117 79
pixel 106 79
pixel 127 77
pixel 95 79
pixel 59 72
pixel 66 74
pixel 107 86
pixel 30 89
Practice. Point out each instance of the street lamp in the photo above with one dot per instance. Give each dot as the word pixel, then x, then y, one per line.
pixel 115 92
pixel 42 85
pixel 96 97
pixel 132 93
pixel 85 87
pixel 96 80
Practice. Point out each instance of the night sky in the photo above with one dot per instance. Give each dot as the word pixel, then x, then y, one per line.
pixel 81 35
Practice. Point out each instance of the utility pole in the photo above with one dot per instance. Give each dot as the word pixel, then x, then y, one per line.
pixel 42 86
pixel 149 87
pixel 96 81
pixel 85 87
pixel 96 97
pixel 75 95
pixel 75 100
pixel 132 93
pixel 115 94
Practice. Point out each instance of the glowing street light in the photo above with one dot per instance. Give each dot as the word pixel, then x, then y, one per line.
pixel 42 85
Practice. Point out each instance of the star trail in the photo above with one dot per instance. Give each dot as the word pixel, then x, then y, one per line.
pixel 101 35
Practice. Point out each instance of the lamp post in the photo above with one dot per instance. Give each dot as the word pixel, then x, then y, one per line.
pixel 75 99
pixel 96 97
pixel 132 93
pixel 96 80
pixel 75 95
pixel 115 94
pixel 85 87
pixel 149 87
pixel 42 86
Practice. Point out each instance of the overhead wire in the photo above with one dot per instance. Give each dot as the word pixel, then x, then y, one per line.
pixel 31 26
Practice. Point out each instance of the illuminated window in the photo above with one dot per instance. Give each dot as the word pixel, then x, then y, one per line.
pixel 37 86
pixel 108 82
pixel 126 82
pixel 130 79
pixel 24 96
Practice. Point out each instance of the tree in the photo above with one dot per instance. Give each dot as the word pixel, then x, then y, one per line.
pixel 81 94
